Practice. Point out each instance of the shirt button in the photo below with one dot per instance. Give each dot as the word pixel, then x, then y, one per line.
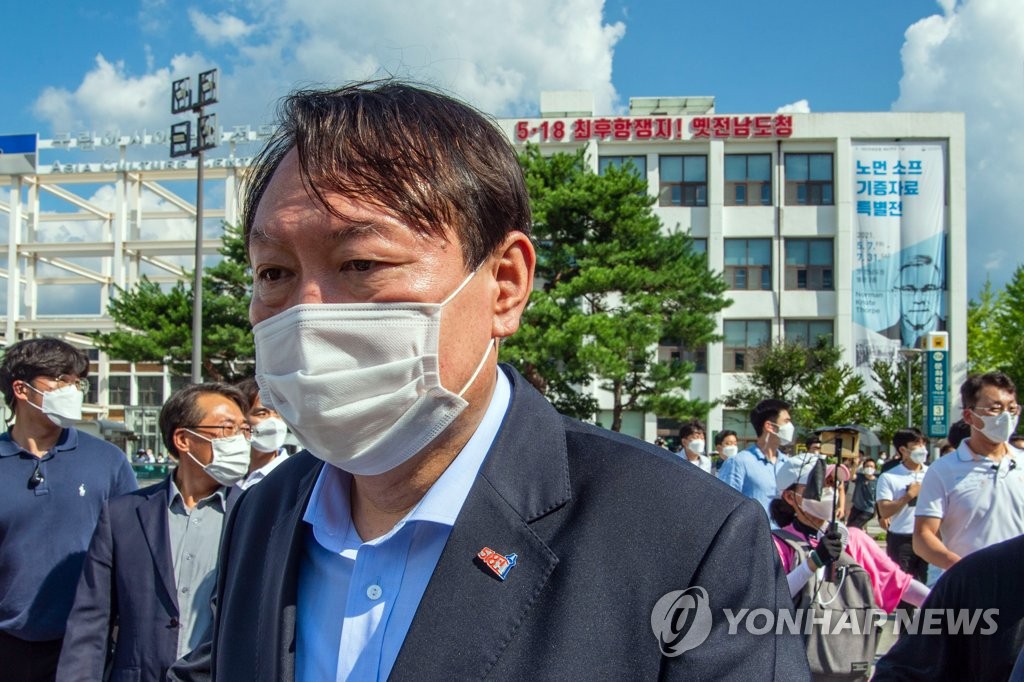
pixel 184 590
pixel 374 592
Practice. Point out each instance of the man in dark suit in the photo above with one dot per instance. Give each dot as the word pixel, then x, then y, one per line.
pixel 151 566
pixel 445 522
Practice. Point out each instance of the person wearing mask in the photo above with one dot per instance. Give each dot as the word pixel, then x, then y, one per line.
pixel 726 446
pixel 813 445
pixel 896 498
pixel 862 506
pixel 54 480
pixel 974 497
pixel 268 435
pixel 143 599
pixel 445 522
pixel 691 437
pixel 809 519
pixel 752 471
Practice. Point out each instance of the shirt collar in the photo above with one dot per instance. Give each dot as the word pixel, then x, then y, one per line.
pixel 68 440
pixel 965 454
pixel 175 496
pixel 329 513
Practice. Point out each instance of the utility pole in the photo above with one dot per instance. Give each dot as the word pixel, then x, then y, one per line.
pixel 182 145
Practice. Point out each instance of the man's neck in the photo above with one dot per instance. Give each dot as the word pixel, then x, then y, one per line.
pixel 35 435
pixel 193 485
pixel 379 502
pixel 763 444
pixel 691 456
pixel 258 460
pixel 981 445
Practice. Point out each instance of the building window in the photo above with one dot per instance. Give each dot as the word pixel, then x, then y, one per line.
pixel 119 389
pixel 809 180
pixel 151 390
pixel 739 421
pixel 684 180
pixel 748 179
pixel 742 338
pixel 809 264
pixel 748 264
pixel 638 164
pixel 700 245
pixel 808 333
pixel 675 351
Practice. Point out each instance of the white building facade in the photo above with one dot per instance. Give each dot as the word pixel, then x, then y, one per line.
pixel 803 215
pixel 775 200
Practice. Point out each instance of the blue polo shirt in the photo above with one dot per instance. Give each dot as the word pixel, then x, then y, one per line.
pixel 751 473
pixel 45 531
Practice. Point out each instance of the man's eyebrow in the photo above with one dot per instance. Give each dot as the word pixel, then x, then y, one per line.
pixel 349 228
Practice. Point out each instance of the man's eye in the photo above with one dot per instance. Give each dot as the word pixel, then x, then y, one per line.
pixel 359 265
pixel 269 274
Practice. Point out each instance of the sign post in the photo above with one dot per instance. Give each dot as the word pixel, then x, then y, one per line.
pixel 936 388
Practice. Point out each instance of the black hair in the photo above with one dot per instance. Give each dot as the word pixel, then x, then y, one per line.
pixel 424 158
pixel 905 437
pixel 970 389
pixel 957 432
pixel 766 411
pixel 182 409
pixel 782 512
pixel 722 435
pixel 43 357
pixel 691 427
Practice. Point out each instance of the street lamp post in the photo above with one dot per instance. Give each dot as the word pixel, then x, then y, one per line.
pixel 181 145
pixel 909 353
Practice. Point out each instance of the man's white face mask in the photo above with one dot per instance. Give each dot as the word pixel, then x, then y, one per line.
pixel 359 383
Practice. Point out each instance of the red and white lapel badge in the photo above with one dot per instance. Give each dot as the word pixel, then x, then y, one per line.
pixel 499 564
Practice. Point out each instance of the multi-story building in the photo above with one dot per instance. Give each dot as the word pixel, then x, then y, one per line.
pixel 849 226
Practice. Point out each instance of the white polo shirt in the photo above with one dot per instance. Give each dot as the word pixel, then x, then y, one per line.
pixel 892 485
pixel 979 502
pixel 703 462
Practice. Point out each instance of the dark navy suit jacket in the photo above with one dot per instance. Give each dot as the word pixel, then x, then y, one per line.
pixel 127 582
pixel 603 526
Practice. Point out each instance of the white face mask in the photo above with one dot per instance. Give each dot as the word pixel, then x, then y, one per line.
pixel 785 433
pixel 820 509
pixel 997 428
pixel 919 456
pixel 359 384
pixel 269 435
pixel 729 451
pixel 230 458
pixel 63 406
pixel 869 471
pixel 696 447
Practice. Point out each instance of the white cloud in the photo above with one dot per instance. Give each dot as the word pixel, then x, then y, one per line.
pixel 801 106
pixel 971 59
pixel 222 28
pixel 109 98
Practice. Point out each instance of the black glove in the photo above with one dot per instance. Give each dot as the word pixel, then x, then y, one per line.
pixel 829 547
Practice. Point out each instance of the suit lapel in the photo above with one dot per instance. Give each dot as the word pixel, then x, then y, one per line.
pixel 467 614
pixel 153 518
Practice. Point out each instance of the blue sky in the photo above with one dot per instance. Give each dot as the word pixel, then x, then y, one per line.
pixel 101 66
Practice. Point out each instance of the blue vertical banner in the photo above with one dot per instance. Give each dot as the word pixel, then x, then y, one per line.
pixel 899 262
pixel 936 385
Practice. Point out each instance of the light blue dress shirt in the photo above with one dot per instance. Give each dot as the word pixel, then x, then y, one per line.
pixel 751 473
pixel 357 600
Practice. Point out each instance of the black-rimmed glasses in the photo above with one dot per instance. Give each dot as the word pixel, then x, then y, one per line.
pixel 225 430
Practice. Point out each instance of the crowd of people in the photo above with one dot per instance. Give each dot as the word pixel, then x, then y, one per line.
pixel 443 520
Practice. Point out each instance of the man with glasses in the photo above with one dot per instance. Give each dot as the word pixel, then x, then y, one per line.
pixel 151 566
pixel 974 497
pixel 54 480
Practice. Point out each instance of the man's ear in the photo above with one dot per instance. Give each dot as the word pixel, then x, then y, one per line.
pixel 20 390
pixel 512 265
pixel 181 442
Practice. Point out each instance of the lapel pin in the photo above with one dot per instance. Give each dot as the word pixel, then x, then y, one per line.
pixel 500 564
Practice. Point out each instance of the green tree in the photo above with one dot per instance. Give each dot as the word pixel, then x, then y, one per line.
pixel 613 284
pixel 890 394
pixel 984 340
pixel 1008 330
pixel 822 390
pixel 154 325
pixel 781 370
